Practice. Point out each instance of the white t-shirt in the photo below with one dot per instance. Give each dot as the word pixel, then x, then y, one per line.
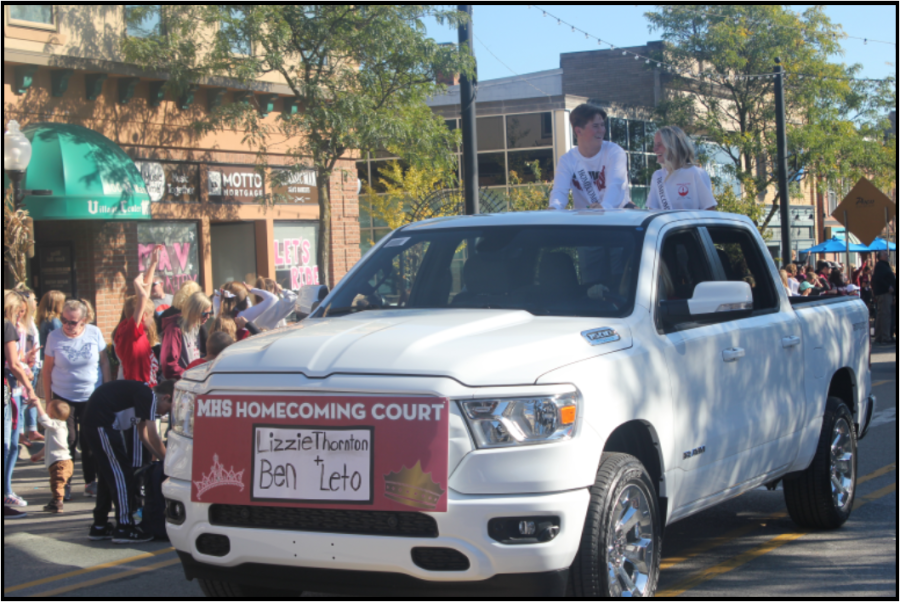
pixel 76 362
pixel 608 169
pixel 56 447
pixel 686 188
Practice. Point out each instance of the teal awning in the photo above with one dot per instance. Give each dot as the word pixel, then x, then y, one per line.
pixel 90 176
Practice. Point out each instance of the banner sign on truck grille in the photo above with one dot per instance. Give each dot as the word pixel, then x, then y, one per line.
pixel 377 453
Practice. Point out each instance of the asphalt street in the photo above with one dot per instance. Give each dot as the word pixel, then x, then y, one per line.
pixel 747 547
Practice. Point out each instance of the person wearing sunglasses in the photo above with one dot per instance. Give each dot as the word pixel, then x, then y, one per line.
pixel 181 336
pixel 71 358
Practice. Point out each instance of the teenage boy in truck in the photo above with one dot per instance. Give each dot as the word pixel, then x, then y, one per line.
pixel 595 171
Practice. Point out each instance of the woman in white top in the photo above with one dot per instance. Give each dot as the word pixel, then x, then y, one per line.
pixel 680 184
pixel 276 316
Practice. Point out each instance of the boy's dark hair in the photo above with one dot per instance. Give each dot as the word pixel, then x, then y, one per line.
pixel 166 387
pixel 584 114
pixel 218 342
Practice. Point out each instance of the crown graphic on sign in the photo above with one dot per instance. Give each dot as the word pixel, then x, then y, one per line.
pixel 413 487
pixel 219 477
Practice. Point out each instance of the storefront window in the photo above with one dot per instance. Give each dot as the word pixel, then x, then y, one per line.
pixel 233 252
pixel 32 14
pixel 180 259
pixel 295 254
pixel 490 133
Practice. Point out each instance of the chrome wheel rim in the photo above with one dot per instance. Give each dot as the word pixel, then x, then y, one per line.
pixel 631 545
pixel 842 464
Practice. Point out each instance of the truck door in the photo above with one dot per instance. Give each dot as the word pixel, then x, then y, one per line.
pixel 709 396
pixel 771 370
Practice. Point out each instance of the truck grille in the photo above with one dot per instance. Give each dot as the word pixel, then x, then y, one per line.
pixel 351 522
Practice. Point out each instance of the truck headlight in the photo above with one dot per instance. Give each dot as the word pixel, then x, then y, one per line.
pixel 183 413
pixel 522 421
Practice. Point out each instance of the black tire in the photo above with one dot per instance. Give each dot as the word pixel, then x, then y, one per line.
pixel 810 497
pixel 619 479
pixel 222 589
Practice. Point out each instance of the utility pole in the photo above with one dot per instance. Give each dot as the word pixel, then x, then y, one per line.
pixel 781 137
pixel 467 99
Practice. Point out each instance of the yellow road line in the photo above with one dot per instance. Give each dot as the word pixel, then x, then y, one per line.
pixel 878 473
pixel 70 588
pixel 882 382
pixel 727 538
pixel 99 567
pixel 750 555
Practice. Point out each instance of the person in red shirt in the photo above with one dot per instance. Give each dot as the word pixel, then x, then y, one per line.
pixel 136 334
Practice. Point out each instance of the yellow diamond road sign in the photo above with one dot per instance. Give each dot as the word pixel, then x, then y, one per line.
pixel 866 211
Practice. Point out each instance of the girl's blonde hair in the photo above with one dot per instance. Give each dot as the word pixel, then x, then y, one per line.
pixel 12 304
pixel 784 278
pixel 679 149
pixel 30 303
pixel 50 307
pixel 229 308
pixel 192 312
pixel 187 290
pixel 128 310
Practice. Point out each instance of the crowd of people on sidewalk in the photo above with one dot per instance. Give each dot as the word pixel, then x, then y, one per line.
pixel 874 281
pixel 99 407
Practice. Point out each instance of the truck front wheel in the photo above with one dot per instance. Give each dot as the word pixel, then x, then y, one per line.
pixel 821 497
pixel 622 539
pixel 221 589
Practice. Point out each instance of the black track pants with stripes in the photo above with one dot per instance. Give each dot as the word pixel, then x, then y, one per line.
pixel 116 475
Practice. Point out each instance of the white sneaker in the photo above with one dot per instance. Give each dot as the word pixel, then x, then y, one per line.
pixel 13 500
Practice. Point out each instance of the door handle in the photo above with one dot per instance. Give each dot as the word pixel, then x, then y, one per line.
pixel 733 355
pixel 789 342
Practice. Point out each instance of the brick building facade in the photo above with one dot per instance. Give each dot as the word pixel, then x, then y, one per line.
pixel 62 65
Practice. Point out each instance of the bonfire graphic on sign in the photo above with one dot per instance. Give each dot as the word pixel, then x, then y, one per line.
pixel 413 487
pixel 219 477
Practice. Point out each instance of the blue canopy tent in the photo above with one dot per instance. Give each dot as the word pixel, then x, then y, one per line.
pixel 837 245
pixel 881 244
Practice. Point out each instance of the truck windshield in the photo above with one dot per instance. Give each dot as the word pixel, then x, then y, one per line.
pixel 547 271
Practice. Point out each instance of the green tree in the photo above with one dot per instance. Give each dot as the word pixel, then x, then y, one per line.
pixel 412 194
pixel 836 123
pixel 359 74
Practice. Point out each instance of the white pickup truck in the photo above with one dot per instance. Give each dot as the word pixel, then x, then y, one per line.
pixel 516 405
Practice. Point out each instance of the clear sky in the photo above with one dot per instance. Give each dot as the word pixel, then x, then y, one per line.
pixel 526 41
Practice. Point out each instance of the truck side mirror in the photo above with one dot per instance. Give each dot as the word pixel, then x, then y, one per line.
pixel 712 303
pixel 309 299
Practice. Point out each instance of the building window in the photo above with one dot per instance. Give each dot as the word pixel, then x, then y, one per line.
pixel 490 133
pixel 532 130
pixel 238 42
pixel 33 15
pixel 618 132
pixel 143 20
pixel 491 169
pixel 521 161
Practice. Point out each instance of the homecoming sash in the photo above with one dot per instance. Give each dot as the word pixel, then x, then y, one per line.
pixel 583 177
pixel 659 182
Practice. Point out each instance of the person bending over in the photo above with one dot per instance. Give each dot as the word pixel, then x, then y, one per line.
pixel 115 407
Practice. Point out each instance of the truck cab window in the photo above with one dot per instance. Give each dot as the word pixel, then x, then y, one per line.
pixel 739 255
pixel 683 266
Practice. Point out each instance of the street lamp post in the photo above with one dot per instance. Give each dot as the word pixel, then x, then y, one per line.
pixel 16 157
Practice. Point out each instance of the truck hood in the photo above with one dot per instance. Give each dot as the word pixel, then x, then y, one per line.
pixel 475 347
